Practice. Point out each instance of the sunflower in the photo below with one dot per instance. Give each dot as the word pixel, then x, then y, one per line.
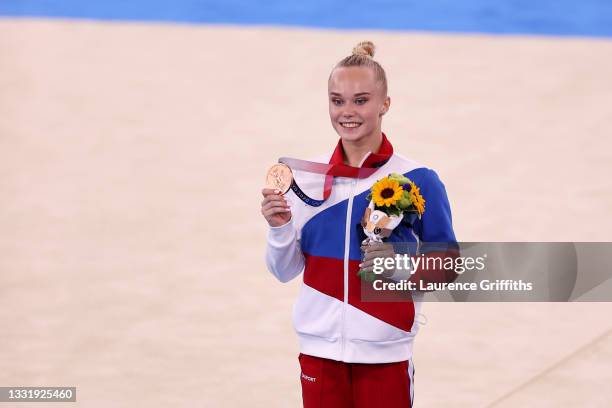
pixel 417 199
pixel 386 192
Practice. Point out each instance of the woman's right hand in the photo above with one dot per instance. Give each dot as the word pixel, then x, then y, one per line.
pixel 275 208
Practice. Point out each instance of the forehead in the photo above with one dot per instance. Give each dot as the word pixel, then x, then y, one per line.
pixel 352 80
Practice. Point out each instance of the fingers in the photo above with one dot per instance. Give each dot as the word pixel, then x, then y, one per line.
pixel 277 217
pixel 269 191
pixel 273 198
pixel 374 245
pixel 272 195
pixel 276 206
pixel 373 251
pixel 385 251
pixel 273 205
pixel 366 267
pixel 368 264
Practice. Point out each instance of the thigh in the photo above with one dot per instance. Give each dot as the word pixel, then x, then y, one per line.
pixel 325 383
pixel 387 385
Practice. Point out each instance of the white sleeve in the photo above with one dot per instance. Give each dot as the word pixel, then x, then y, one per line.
pixel 284 256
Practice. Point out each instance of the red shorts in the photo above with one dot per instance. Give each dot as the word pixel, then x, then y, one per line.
pixel 334 384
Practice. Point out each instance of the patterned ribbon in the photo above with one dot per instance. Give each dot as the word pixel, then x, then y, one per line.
pixel 330 171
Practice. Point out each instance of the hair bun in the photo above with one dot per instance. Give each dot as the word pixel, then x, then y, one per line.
pixel 365 48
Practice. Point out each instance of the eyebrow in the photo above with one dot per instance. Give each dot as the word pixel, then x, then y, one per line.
pixel 357 94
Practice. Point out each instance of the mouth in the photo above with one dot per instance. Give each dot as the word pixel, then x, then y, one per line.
pixel 350 125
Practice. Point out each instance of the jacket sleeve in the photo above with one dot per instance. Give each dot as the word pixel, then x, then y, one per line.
pixel 436 231
pixel 284 256
pixel 437 223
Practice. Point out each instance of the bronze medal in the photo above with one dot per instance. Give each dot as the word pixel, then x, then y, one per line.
pixel 279 177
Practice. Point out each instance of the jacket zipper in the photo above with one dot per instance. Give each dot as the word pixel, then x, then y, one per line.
pixel 347 247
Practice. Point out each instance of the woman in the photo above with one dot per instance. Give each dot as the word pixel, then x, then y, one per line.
pixel 353 353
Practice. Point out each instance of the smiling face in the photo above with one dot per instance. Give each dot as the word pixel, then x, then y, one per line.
pixel 357 102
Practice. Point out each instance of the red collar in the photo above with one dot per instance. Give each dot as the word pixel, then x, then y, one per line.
pixel 373 160
pixel 337 168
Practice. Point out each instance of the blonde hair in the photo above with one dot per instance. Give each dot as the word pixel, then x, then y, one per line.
pixel 362 56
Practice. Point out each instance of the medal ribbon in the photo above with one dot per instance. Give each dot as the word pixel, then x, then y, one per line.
pixel 337 168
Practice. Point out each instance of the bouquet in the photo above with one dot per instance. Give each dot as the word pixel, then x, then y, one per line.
pixel 390 198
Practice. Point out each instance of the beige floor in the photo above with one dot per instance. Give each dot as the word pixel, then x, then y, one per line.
pixel 131 159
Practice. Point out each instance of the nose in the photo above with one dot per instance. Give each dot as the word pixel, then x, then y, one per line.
pixel 348 115
pixel 348 111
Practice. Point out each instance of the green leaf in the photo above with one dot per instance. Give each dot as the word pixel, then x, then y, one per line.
pixel 405 202
pixel 393 210
pixel 399 178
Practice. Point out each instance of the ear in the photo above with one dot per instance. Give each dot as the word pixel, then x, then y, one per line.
pixel 366 217
pixel 385 107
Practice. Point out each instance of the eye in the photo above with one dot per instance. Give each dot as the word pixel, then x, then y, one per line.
pixel 377 230
pixel 337 102
pixel 361 101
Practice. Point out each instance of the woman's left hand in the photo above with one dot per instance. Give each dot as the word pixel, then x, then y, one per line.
pixel 377 250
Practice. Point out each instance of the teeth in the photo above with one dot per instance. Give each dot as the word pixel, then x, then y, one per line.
pixel 350 124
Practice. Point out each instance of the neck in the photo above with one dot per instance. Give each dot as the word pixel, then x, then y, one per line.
pixel 355 150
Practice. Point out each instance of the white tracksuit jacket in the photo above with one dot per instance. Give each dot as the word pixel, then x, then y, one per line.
pixel 329 316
